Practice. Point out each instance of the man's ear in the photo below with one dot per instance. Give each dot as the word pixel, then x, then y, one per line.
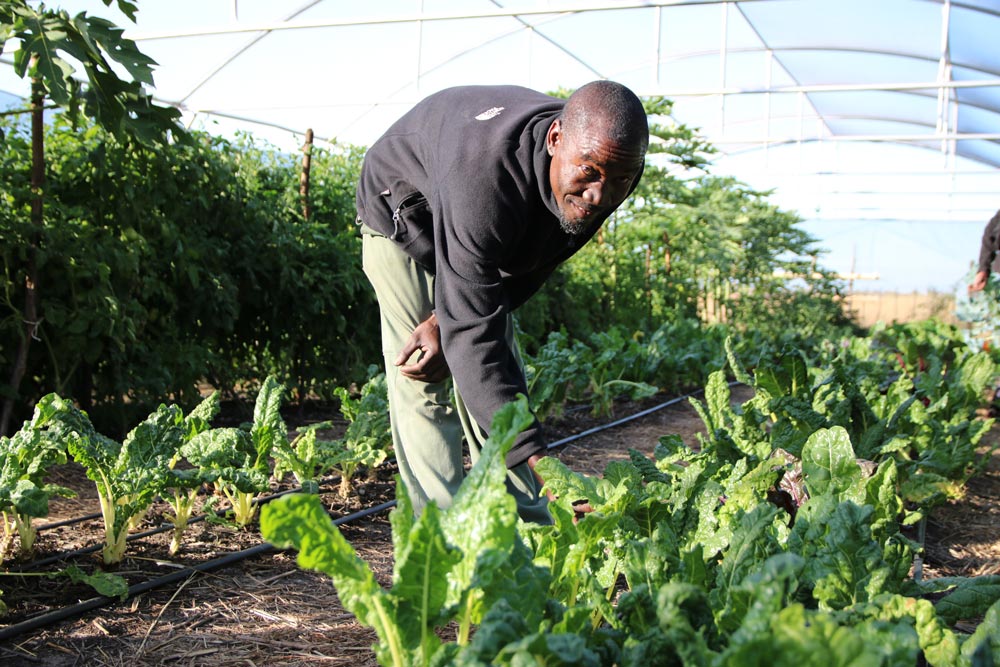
pixel 553 136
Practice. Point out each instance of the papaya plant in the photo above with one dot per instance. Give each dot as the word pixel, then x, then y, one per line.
pixel 47 43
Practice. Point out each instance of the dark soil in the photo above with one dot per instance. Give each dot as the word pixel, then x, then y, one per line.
pixel 264 610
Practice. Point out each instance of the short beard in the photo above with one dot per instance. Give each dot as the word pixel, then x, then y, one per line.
pixel 572 227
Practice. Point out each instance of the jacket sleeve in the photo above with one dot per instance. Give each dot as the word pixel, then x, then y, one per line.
pixel 472 305
pixel 990 244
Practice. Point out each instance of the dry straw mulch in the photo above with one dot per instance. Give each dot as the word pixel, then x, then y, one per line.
pixel 266 611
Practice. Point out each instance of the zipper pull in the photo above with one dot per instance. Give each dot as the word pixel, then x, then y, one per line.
pixel 395 224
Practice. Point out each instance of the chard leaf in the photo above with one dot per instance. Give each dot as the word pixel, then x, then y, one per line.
pixel 789 376
pixel 501 625
pixel 421 576
pixel 762 594
pixel 299 521
pixel 105 583
pixel 550 649
pixel 268 426
pixel 881 494
pixel 483 514
pixel 708 532
pixel 844 562
pixel 519 584
pixel 654 560
pixel 401 518
pixel 669 449
pixel 739 371
pixel 830 467
pixel 968 598
pixel 552 546
pixel 201 416
pixel 228 454
pixel 567 485
pixel 797 637
pixel 752 542
pixel 982 648
pixel 26 499
pixel 939 644
pixel 717 398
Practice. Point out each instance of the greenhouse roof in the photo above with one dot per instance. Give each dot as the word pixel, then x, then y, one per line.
pixel 878 122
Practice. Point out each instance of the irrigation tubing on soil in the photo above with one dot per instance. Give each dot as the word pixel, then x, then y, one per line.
pixel 623 420
pixel 66 555
pixel 64 613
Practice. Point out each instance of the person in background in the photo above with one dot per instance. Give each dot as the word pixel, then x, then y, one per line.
pixel 987 254
pixel 466 205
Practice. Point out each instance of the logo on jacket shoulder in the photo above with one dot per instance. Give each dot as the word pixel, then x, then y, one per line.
pixel 490 113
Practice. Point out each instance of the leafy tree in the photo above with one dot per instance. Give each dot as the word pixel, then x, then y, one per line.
pixel 48 42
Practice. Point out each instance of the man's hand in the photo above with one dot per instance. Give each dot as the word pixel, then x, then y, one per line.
pixel 430 365
pixel 979 282
pixel 580 507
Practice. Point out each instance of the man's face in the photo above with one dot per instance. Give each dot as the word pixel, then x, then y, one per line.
pixel 589 174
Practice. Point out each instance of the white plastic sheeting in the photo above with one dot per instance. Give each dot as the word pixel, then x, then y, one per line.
pixel 879 122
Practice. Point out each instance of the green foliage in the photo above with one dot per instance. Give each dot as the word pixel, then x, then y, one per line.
pixel 366 443
pixel 161 269
pixel 129 474
pixel 49 42
pixel 24 462
pixel 368 439
pixel 920 413
pixel 186 483
pixel 612 365
pixel 706 248
pixel 438 556
pixel 104 583
pixel 980 313
pixel 715 573
pixel 238 460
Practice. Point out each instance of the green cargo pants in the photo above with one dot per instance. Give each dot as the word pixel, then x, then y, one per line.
pixel 427 427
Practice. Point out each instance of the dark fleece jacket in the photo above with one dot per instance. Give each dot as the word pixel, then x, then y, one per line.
pixel 461 183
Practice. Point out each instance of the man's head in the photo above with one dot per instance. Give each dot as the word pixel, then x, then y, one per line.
pixel 597 145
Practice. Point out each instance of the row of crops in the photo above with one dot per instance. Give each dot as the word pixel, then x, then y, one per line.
pixel 788 530
pixel 173 455
pixel 224 473
pixel 787 537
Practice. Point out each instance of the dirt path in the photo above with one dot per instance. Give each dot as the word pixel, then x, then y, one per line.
pixel 265 611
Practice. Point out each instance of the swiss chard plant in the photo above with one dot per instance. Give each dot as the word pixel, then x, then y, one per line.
pixel 444 560
pixel 131 474
pixel 368 439
pixel 685 559
pixel 25 459
pixel 186 483
pixel 610 366
pixel 237 459
pixel 306 456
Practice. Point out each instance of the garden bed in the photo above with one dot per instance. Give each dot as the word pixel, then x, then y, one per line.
pixel 265 610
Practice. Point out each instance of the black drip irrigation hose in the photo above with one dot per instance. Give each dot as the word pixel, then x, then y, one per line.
pixel 68 522
pixel 84 551
pixel 63 613
pixel 623 420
